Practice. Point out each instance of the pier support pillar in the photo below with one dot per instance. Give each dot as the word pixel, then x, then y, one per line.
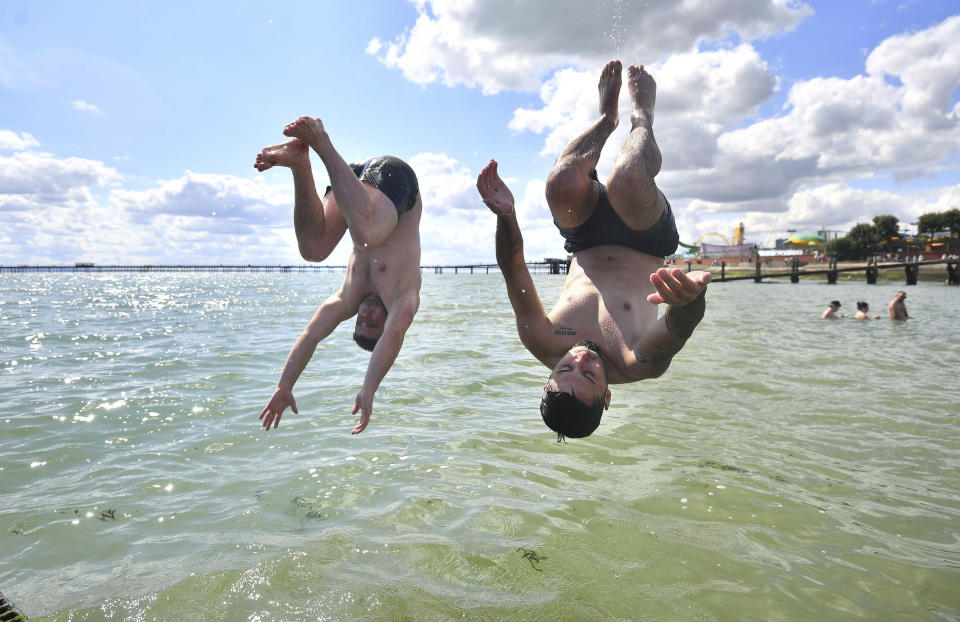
pixel 912 271
pixel 872 273
pixel 953 274
pixel 795 271
pixel 832 277
pixel 723 270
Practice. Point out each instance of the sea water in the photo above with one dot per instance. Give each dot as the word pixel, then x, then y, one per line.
pixel 784 468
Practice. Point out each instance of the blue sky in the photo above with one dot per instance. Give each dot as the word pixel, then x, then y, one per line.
pixel 128 130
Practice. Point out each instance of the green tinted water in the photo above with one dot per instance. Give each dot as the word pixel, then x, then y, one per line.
pixel 785 468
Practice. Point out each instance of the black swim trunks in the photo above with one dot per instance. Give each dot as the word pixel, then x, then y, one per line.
pixel 391 176
pixel 604 226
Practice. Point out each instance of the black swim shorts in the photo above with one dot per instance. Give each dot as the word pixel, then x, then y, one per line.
pixel 604 226
pixel 391 176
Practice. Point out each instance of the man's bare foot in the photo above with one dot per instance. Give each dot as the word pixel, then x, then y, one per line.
pixel 307 129
pixel 289 154
pixel 609 87
pixel 643 93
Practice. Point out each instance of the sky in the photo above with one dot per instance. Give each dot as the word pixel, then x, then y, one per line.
pixel 128 129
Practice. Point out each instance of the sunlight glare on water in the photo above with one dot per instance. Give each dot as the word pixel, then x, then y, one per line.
pixel 785 467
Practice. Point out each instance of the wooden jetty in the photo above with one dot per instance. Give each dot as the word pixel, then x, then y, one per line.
pixel 871 271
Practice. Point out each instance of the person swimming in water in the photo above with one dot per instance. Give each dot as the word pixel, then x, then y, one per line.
pixel 863 312
pixel 604 328
pixel 378 201
pixel 897 306
pixel 830 313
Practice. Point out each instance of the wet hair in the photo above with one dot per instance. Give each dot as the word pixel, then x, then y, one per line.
pixel 835 303
pixel 862 306
pixel 366 343
pixel 568 416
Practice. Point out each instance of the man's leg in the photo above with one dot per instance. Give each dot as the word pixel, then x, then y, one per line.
pixel 317 222
pixel 370 215
pixel 571 192
pixel 630 187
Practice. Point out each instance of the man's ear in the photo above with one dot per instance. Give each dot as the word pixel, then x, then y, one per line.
pixel 606 400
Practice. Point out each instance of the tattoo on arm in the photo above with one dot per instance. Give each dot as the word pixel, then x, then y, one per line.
pixel 681 321
pixel 563 330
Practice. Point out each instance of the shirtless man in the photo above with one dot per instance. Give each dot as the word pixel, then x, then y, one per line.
pixel 604 328
pixel 898 308
pixel 863 312
pixel 378 202
pixel 830 313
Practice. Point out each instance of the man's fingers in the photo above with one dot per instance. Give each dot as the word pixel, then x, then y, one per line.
pixel 362 424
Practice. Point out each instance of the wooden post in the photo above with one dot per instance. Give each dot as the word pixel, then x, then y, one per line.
pixel 757 277
pixel 723 270
pixel 872 271
pixel 953 275
pixel 912 270
pixel 795 270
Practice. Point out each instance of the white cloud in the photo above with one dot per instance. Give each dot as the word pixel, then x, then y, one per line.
pixel 507 44
pixel 699 95
pixel 837 128
pixel 231 201
pixel 29 177
pixel 79 104
pixel 12 141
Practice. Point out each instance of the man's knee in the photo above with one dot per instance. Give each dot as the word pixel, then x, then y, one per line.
pixel 568 188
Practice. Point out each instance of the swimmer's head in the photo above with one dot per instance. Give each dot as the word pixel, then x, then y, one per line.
pixel 835 304
pixel 371 318
pixel 862 306
pixel 576 393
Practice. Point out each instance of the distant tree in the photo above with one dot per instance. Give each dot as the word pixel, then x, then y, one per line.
pixel 951 221
pixel 841 249
pixel 930 223
pixel 863 239
pixel 886 228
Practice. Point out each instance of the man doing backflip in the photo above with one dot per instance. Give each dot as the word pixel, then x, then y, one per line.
pixel 604 328
pixel 378 202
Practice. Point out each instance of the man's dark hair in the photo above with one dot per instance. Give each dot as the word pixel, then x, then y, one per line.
pixel 366 343
pixel 568 416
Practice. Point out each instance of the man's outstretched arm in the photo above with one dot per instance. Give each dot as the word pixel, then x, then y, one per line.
pixel 384 354
pixel 532 321
pixel 328 316
pixel 684 294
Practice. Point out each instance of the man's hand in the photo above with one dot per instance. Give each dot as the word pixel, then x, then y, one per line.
pixel 676 287
pixel 275 407
pixel 494 192
pixel 364 404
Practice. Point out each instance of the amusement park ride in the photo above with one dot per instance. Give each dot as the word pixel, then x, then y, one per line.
pixel 736 243
pixel 737 247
